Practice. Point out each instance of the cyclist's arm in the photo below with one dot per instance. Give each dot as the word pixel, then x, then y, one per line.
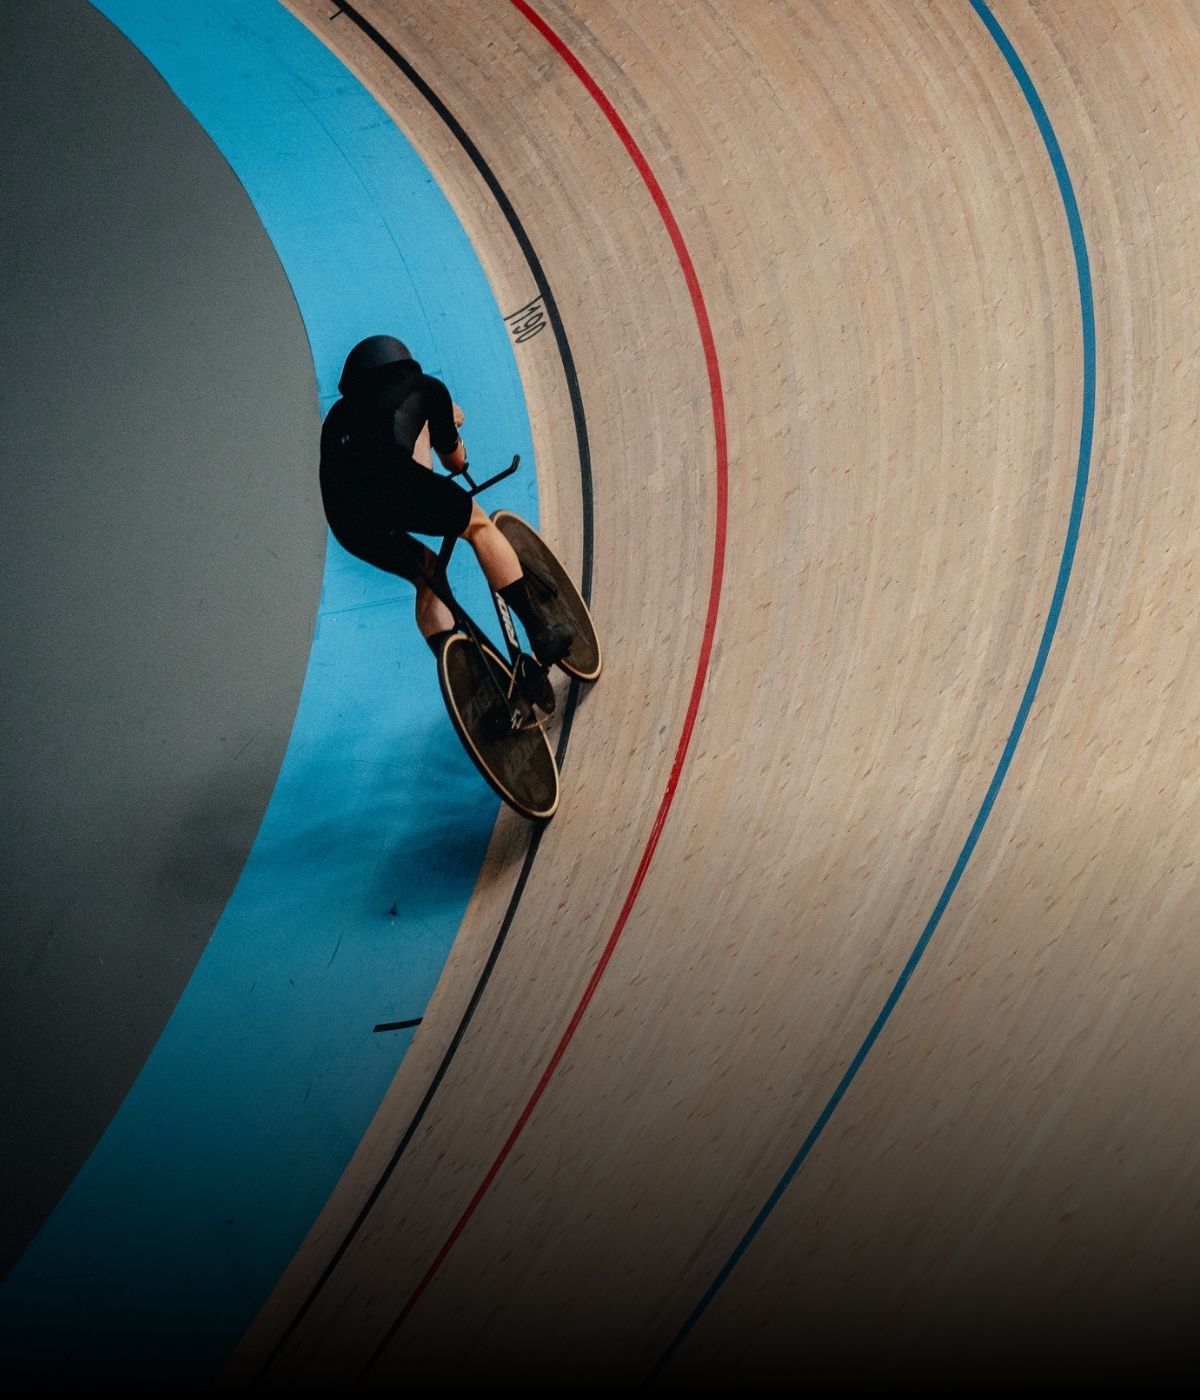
pixel 455 461
pixel 444 419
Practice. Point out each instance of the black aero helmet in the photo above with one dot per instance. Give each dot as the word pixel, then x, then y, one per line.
pixel 375 353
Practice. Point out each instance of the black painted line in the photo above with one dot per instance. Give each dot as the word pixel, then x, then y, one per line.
pixel 397 1025
pixel 585 480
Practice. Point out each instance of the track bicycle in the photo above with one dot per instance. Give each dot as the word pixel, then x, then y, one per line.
pixel 498 704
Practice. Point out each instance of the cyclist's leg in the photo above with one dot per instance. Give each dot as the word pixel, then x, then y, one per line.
pixel 435 621
pixel 499 562
pixel 496 556
pixel 438 506
pixel 433 616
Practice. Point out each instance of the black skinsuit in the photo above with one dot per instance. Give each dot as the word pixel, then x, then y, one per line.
pixel 372 489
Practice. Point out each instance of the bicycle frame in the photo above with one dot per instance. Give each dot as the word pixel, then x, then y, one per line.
pixel 441 587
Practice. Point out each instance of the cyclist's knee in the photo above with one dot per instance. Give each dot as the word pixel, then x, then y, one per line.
pixel 432 614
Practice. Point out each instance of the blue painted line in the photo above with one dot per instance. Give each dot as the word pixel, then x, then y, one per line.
pixel 1087 312
pixel 269 1070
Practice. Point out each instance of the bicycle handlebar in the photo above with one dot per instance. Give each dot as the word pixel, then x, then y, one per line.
pixel 492 480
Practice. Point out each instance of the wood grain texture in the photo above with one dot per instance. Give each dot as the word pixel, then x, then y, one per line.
pixel 881 245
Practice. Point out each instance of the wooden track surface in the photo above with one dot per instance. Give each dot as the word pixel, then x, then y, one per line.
pixel 880 242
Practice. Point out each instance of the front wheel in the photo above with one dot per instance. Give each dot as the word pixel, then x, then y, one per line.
pixel 518 764
pixel 553 594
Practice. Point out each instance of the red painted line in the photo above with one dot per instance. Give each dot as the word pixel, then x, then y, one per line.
pixel 702 663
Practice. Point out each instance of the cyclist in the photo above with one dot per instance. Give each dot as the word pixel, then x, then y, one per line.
pixel 377 484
